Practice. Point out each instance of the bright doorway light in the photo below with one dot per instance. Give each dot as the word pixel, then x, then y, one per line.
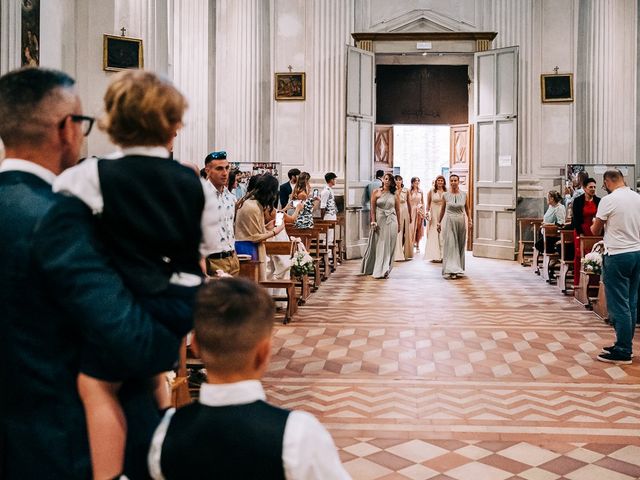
pixel 420 151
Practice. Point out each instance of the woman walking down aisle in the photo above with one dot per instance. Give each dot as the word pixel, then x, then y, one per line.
pixel 385 210
pixel 416 199
pixel 454 230
pixel 404 244
pixel 435 203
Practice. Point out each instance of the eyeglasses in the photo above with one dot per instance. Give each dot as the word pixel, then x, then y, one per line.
pixel 86 123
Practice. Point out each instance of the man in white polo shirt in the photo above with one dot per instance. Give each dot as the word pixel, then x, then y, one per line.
pixel 619 214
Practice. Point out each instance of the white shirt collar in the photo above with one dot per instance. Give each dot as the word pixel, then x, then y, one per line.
pixel 239 393
pixel 16 164
pixel 159 152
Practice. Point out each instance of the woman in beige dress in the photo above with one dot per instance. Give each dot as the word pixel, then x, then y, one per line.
pixel 404 244
pixel 435 200
pixel 416 197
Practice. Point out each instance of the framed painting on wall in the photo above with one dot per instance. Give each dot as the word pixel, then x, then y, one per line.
pixel 557 88
pixel 290 86
pixel 30 44
pixel 121 53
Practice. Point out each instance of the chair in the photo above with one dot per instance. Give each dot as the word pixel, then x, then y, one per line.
pixel 536 256
pixel 525 241
pixel 566 272
pixel 282 248
pixel 589 286
pixel 549 260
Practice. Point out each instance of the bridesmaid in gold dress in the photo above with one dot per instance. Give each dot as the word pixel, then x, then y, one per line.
pixel 416 198
pixel 404 244
pixel 435 200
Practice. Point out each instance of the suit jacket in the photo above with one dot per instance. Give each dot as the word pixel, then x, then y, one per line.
pixel 285 193
pixel 58 292
pixel 576 211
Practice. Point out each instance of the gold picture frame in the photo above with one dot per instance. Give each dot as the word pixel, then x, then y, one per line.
pixel 556 88
pixel 290 86
pixel 121 53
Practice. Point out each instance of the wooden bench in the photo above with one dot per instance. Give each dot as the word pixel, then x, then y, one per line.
pixel 566 273
pixel 536 256
pixel 180 395
pixel 289 285
pixel 525 239
pixel 250 269
pixel 549 260
pixel 587 290
pixel 600 303
pixel 331 246
pixel 311 238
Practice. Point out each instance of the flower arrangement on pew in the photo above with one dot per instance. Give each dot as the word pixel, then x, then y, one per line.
pixel 592 263
pixel 302 264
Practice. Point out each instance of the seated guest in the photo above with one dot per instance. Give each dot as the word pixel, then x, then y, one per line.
pixel 584 211
pixel 287 188
pixel 302 193
pixel 250 226
pixel 232 432
pixel 555 215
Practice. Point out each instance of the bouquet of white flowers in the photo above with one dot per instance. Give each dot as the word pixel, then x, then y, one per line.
pixel 592 263
pixel 302 264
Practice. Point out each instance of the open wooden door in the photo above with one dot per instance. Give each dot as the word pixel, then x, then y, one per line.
pixel 461 163
pixel 359 147
pixel 496 141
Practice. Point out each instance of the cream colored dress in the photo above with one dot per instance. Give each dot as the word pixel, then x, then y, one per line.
pixel 404 243
pixel 433 251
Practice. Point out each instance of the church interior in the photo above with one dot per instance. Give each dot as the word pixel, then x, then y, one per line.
pixel 489 374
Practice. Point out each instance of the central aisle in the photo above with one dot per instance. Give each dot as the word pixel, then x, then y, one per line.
pixel 487 377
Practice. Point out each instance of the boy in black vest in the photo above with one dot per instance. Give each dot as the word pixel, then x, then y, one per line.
pixel 232 433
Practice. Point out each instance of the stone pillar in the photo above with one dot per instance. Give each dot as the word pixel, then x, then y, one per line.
pixel 10 41
pixel 607 85
pixel 242 80
pixel 189 69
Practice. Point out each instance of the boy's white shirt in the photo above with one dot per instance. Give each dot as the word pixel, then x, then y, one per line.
pixel 302 430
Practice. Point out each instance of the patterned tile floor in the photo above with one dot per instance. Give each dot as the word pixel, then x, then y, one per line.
pixel 492 376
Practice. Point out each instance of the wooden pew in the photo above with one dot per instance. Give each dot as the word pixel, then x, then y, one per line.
pixel 525 239
pixel 180 385
pixel 536 256
pixel 304 283
pixel 566 273
pixel 289 285
pixel 587 290
pixel 330 246
pixel 250 269
pixel 313 247
pixel 549 260
pixel 600 304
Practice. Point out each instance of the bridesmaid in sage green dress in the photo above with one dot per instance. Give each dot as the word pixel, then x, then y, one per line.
pixel 454 229
pixel 385 206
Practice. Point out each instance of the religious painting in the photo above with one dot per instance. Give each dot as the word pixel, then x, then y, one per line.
pixel 121 53
pixel 557 88
pixel 30 46
pixel 290 86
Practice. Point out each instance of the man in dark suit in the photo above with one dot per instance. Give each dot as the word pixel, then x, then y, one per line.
pixel 58 293
pixel 286 189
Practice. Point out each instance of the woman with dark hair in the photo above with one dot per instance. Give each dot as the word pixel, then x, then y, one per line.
pixel 232 182
pixel 454 230
pixel 250 228
pixel 584 209
pixel 404 244
pixel 384 214
pixel 416 197
pixel 433 251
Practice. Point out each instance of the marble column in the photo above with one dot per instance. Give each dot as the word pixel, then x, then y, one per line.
pixel 243 80
pixel 10 41
pixel 189 69
pixel 607 85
